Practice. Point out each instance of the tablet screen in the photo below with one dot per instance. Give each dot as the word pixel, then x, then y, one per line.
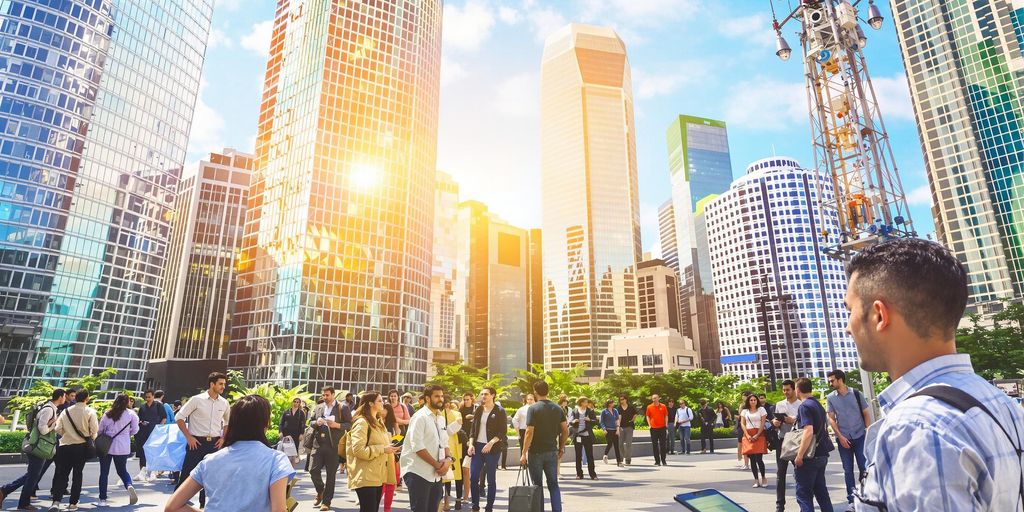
pixel 708 500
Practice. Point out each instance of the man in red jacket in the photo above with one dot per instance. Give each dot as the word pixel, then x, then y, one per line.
pixel 657 418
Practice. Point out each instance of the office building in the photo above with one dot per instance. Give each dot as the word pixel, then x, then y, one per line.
pixel 492 291
pixel 590 202
pixel 442 348
pixel 772 281
pixel 667 235
pixel 657 295
pixel 197 303
pixel 699 167
pixel 963 62
pixel 336 260
pixel 96 102
pixel 535 354
pixel 650 351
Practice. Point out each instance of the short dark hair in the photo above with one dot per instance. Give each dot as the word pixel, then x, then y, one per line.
pixel 82 395
pixel 838 374
pixel 803 385
pixel 57 394
pixel 493 392
pixel 541 387
pixel 250 418
pixel 148 392
pixel 920 279
pixel 429 390
pixel 159 394
pixel 327 388
pixel 789 383
pixel 215 376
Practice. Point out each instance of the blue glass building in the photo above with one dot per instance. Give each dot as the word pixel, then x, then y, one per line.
pixel 96 101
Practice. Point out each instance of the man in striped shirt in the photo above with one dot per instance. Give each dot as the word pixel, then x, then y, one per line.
pixel 906 298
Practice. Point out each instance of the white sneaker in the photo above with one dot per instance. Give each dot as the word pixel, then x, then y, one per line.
pixel 143 475
pixel 606 459
pixel 102 504
pixel 54 507
pixel 133 497
pixel 72 507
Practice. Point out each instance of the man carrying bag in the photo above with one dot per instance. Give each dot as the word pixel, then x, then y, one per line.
pixel 326 435
pixel 526 497
pixel 39 446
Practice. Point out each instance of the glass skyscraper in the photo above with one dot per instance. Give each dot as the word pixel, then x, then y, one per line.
pixel 772 282
pixel 445 257
pixel 589 195
pixel 336 260
pixel 700 168
pixel 96 100
pixel 963 61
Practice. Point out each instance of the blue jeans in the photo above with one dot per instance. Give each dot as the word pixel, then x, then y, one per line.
pixel 424 495
pixel 684 439
pixel 487 462
pixel 671 429
pixel 811 485
pixel 121 465
pixel 847 455
pixel 546 465
pixel 27 482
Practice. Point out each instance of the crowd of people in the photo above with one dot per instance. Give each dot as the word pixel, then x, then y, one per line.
pixel 948 440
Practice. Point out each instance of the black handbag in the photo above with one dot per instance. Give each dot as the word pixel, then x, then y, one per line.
pixel 103 442
pixel 90 445
pixel 526 497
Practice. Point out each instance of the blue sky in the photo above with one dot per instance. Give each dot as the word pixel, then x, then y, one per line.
pixel 710 58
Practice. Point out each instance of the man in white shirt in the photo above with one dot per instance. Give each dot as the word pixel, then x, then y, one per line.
pixel 207 416
pixel 786 409
pixel 683 419
pixel 46 420
pixel 426 458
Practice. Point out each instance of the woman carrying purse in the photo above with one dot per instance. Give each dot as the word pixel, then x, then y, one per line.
pixel 371 458
pixel 754 443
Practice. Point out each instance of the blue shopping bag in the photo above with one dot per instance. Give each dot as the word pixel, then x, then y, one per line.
pixel 165 448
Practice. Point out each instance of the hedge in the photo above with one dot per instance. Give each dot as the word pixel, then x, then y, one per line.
pixel 10 442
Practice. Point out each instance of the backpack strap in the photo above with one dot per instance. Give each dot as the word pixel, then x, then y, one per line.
pixel 962 401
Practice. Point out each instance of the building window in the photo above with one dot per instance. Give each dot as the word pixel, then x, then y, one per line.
pixel 652 359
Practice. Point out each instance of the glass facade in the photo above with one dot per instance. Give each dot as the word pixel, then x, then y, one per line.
pixel 96 100
pixel 768 269
pixel 667 235
pixel 445 254
pixel 589 195
pixel 336 260
pixel 700 167
pixel 963 61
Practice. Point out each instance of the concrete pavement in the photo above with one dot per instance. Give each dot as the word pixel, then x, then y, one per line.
pixel 641 487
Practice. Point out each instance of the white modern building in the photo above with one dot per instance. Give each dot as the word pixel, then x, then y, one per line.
pixel 650 351
pixel 771 279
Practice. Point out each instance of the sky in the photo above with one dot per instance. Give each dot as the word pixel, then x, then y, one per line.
pixel 709 58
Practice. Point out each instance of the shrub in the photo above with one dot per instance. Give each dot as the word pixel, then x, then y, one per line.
pixel 10 442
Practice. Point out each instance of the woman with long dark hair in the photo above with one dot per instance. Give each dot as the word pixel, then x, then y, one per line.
pixel 393 428
pixel 371 460
pixel 120 423
pixel 293 424
pixel 754 444
pixel 234 476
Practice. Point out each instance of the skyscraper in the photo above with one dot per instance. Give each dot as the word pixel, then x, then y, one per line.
pixel 535 354
pixel 442 344
pixel 336 261
pixel 492 291
pixel 772 281
pixel 589 195
pixel 657 295
pixel 963 61
pixel 667 235
pixel 95 108
pixel 197 303
pixel 699 167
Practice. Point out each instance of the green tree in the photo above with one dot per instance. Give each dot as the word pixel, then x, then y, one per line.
pixel 41 391
pixel 236 381
pixel 995 348
pixel 559 381
pixel 881 380
pixel 280 398
pixel 458 378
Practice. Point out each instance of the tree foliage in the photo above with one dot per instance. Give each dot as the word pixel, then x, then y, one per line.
pixel 559 382
pixel 458 378
pixel 280 398
pixel 996 348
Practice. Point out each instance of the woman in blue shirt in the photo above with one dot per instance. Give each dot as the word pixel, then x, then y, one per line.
pixel 610 425
pixel 230 475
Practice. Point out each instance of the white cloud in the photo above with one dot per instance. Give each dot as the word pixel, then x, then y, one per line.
pixel 258 40
pixel 920 196
pixel 229 5
pixel 519 96
pixel 467 27
pixel 207 125
pixel 648 85
pixel 755 28
pixel 218 39
pixel 508 15
pixel 766 104
pixel 639 13
pixel 544 22
pixel 894 97
pixel 451 71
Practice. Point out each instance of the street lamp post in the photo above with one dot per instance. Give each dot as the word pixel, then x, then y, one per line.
pixel 762 308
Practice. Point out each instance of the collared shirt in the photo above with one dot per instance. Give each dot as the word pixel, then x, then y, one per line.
pixel 789 409
pixel 684 415
pixel 519 418
pixel 925 455
pixel 239 476
pixel 78 416
pixel 427 431
pixel 46 419
pixel 206 416
pixel 849 412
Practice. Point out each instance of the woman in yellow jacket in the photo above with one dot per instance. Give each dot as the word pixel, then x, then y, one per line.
pixel 371 461
pixel 454 420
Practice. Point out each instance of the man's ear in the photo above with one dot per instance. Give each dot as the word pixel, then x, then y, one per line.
pixel 881 315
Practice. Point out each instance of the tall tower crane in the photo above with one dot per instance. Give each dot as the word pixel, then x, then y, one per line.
pixel 851 146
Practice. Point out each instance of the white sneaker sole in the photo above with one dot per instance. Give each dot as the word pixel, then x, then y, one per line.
pixel 133 497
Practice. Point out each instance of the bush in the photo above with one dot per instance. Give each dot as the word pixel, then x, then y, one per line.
pixel 10 442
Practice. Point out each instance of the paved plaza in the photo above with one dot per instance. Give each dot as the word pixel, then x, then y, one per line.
pixel 642 487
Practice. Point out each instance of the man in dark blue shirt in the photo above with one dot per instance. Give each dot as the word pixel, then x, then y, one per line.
pixel 810 471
